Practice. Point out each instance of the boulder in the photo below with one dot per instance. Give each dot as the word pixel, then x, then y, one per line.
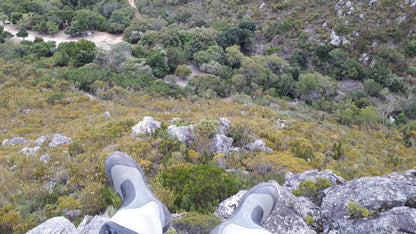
pixel 224 123
pixel 30 150
pixel 14 141
pixel 221 144
pixel 147 125
pixel 58 140
pixel 183 133
pixel 287 217
pixel 337 40
pixel 293 180
pixel 40 140
pixel 397 220
pixel 257 145
pixel 373 193
pixel 226 208
pixel 107 113
pixel 54 225
pixel 92 224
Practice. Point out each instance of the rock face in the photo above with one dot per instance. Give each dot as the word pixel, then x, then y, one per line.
pixel 92 224
pixel 183 133
pixel 221 144
pixel 293 180
pixel 226 208
pixel 14 141
pixel 30 150
pixel 224 123
pixel 397 220
pixel 54 225
pixel 147 125
pixel 257 145
pixel 376 194
pixel 58 140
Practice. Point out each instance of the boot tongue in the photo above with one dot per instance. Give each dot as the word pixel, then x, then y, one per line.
pixel 128 191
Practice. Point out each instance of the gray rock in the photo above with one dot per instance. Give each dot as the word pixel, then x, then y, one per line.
pixel 257 145
pixel 183 133
pixel 107 113
pixel 14 141
pixel 58 140
pixel 221 144
pixel 227 207
pixel 45 158
pixel 224 123
pixel 30 151
pixel 54 225
pixel 73 214
pixel 397 220
pixel 337 40
pixel 92 224
pixel 147 125
pixel 372 3
pixel 373 193
pixel 40 140
pixel 292 181
pixel 287 216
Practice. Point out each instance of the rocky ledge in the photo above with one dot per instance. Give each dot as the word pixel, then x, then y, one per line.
pixel 389 201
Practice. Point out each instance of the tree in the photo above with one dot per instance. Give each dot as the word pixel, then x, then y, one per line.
pixel 22 33
pixel 157 61
pixel 4 34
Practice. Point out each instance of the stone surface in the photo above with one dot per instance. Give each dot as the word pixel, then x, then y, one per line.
pixel 40 140
pixel 293 180
pixel 147 125
pixel 224 123
pixel 58 140
pixel 397 220
pixel 257 145
pixel 221 144
pixel 14 141
pixel 373 193
pixel 183 133
pixel 30 151
pixel 92 224
pixel 226 208
pixel 337 40
pixel 107 113
pixel 54 225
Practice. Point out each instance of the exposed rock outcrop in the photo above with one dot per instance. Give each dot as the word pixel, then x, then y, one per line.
pixel 30 151
pixel 92 224
pixel 147 125
pixel 224 123
pixel 14 141
pixel 373 193
pixel 58 140
pixel 54 225
pixel 292 181
pixel 183 133
pixel 257 145
pixel 221 144
pixel 397 220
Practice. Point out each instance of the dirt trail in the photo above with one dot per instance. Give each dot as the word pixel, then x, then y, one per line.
pixel 132 4
pixel 101 39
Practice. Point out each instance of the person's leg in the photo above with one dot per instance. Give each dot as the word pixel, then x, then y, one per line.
pixel 141 211
pixel 255 207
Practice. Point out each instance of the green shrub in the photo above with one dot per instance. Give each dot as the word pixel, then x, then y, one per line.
pixel 312 190
pixel 355 211
pixel 193 222
pixel 207 127
pixel 309 220
pixel 198 188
